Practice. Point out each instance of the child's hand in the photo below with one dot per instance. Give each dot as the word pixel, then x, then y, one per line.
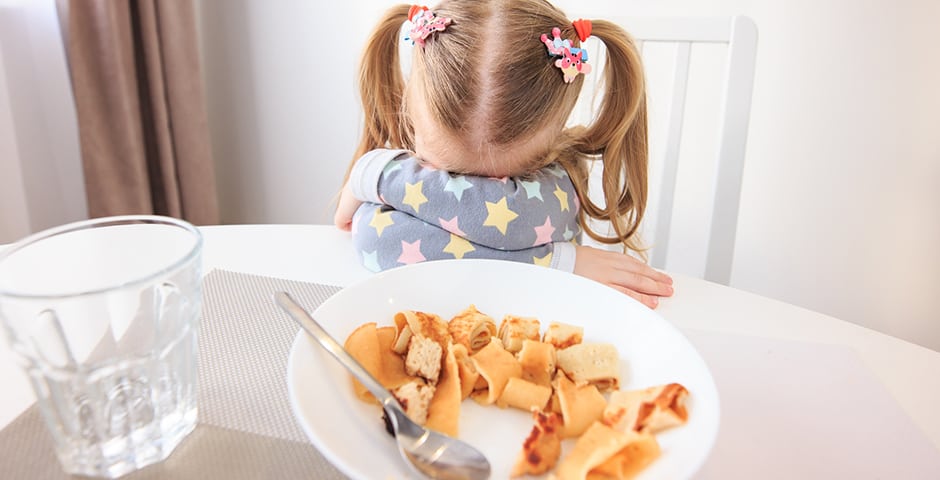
pixel 348 204
pixel 623 272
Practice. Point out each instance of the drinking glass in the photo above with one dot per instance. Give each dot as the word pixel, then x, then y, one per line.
pixel 102 315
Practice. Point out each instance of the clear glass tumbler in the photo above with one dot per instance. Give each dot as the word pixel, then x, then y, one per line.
pixel 103 315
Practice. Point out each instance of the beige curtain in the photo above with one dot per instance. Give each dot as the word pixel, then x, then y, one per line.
pixel 141 107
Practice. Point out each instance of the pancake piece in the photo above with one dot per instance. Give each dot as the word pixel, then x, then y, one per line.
pixel 524 395
pixel 472 329
pixel 581 405
pixel 538 362
pixel 444 410
pixel 496 367
pixel 513 330
pixel 594 363
pixel 562 335
pixel 651 409
pixel 541 448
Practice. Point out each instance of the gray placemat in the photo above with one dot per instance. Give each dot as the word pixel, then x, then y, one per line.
pixel 246 428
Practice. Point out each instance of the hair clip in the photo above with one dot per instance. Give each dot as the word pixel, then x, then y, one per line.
pixel 572 60
pixel 423 23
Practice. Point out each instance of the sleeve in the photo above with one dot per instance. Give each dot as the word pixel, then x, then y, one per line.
pixel 386 238
pixel 508 213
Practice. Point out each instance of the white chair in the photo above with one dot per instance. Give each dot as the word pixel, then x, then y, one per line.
pixel 699 114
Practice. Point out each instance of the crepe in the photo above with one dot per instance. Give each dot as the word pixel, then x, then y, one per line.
pixel 363 345
pixel 424 324
pixel 467 372
pixel 496 367
pixel 472 329
pixel 652 409
pixel 538 362
pixel 562 335
pixel 524 395
pixel 541 448
pixel 513 330
pixel 640 451
pixel 581 405
pixel 596 446
pixel 444 410
pixel 392 371
pixel 594 363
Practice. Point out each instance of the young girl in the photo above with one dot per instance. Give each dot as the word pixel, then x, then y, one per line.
pixel 470 158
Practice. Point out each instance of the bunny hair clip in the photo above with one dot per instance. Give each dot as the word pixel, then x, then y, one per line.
pixel 571 60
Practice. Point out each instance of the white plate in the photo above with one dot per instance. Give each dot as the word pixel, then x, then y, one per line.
pixel 351 434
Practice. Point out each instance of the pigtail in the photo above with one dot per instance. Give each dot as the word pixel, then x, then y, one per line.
pixel 619 136
pixel 381 87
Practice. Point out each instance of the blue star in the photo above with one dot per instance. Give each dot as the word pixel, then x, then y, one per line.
pixel 370 260
pixel 457 185
pixel 532 189
pixel 568 234
pixel 556 171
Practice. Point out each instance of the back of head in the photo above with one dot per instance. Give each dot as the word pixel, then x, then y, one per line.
pixel 489 85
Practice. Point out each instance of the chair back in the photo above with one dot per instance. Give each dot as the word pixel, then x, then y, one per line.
pixel 700 74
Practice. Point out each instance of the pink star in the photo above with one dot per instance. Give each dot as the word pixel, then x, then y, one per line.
pixel 543 234
pixel 411 253
pixel 451 226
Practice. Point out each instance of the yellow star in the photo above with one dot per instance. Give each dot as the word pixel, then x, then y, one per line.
pixel 562 198
pixel 458 247
pixel 413 195
pixel 499 215
pixel 545 261
pixel 381 220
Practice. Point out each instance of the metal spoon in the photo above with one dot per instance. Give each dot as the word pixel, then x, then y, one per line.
pixel 430 453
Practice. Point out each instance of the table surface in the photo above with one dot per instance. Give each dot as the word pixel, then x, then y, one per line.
pixel 322 254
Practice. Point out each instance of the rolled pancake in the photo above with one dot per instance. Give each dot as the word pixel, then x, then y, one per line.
pixel 524 395
pixel 392 369
pixel 651 409
pixel 363 345
pixel 444 411
pixel 496 367
pixel 562 335
pixel 538 362
pixel 596 446
pixel 581 405
pixel 472 329
pixel 468 373
pixel 541 448
pixel 640 451
pixel 513 330
pixel 594 363
pixel 424 324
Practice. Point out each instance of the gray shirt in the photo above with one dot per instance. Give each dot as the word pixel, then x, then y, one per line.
pixel 413 212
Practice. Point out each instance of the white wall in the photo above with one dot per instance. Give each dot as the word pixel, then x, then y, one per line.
pixel 842 180
pixel 14 223
pixel 42 179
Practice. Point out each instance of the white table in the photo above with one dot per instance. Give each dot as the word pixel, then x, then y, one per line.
pixel 322 254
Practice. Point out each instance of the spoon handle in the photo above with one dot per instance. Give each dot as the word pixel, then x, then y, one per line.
pixel 315 330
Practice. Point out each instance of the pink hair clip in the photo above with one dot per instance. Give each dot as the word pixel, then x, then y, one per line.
pixel 571 60
pixel 423 23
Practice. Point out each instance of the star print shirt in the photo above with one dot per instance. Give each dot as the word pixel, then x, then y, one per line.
pixel 413 213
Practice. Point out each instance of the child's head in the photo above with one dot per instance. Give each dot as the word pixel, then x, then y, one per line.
pixel 485 97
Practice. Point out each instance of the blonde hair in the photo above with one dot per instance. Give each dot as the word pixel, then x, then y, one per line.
pixel 489 78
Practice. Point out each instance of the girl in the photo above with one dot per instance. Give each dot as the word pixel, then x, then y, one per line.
pixel 470 158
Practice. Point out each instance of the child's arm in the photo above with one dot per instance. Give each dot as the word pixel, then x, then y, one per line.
pixel 385 238
pixel 499 213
